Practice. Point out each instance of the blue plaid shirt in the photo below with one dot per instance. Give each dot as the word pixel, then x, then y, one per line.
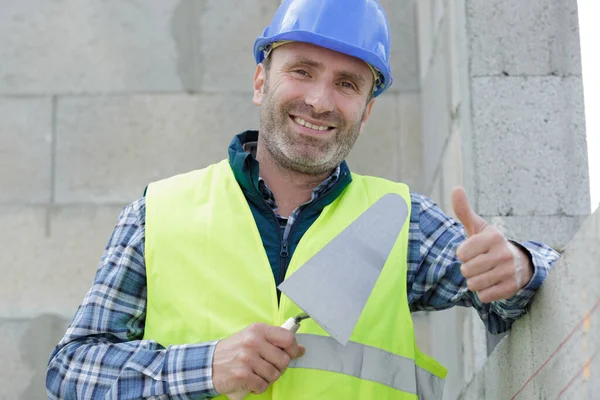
pixel 102 355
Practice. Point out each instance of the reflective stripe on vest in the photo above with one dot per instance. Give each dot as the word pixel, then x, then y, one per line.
pixel 369 363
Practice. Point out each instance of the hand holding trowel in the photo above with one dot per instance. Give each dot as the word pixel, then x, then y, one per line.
pixel 333 286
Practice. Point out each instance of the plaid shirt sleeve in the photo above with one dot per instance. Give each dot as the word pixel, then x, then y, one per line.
pixel 102 354
pixel 434 278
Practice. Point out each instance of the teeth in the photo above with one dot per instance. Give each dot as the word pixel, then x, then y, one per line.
pixel 302 122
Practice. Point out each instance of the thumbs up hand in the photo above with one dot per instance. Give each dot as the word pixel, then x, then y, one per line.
pixel 494 267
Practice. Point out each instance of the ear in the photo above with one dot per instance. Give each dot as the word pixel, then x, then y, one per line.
pixel 366 115
pixel 259 84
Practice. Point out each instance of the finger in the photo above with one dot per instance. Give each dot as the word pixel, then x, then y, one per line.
pixel 277 357
pixel 256 383
pixel 472 222
pixel 485 262
pixel 266 370
pixel 497 275
pixel 501 291
pixel 280 337
pixel 479 244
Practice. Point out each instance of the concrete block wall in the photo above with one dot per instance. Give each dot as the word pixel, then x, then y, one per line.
pixel 99 98
pixel 502 115
pixel 554 351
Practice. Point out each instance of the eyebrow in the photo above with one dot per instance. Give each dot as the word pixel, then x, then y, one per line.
pixel 320 66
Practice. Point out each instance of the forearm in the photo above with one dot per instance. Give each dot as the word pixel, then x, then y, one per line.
pixel 435 281
pixel 97 367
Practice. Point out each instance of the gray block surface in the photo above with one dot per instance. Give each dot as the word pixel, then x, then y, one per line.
pixel 50 273
pixel 404 52
pixel 67 46
pixel 375 152
pixel 523 38
pixel 531 155
pixel 551 351
pixel 25 348
pixel 25 149
pixel 110 148
pixel 224 40
pixel 436 119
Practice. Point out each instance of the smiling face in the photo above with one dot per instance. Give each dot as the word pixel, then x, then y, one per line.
pixel 314 103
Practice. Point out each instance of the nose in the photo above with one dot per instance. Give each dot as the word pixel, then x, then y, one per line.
pixel 320 98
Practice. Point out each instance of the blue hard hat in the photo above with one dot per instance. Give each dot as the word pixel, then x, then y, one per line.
pixel 358 28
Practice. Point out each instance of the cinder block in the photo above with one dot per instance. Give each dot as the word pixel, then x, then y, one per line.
pixel 225 42
pixel 436 190
pixel 546 351
pixel 422 331
pixel 426 37
pixel 438 14
pixel 410 152
pixel 25 348
pixel 524 38
pixel 530 145
pixel 67 46
pixel 452 170
pixel 555 231
pixel 404 52
pixel 446 331
pixel 511 364
pixel 110 148
pixel 25 148
pixel 376 149
pixel 435 106
pixel 475 389
pixel 50 274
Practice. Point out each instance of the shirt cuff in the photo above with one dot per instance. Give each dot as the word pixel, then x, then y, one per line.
pixel 189 369
pixel 519 302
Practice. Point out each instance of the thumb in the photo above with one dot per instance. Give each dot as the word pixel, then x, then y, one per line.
pixel 472 222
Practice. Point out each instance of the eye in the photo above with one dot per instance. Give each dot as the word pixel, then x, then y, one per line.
pixel 301 72
pixel 347 85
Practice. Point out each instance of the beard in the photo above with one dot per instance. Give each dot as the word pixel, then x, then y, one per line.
pixel 300 153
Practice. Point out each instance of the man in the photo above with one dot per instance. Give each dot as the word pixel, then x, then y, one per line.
pixel 185 303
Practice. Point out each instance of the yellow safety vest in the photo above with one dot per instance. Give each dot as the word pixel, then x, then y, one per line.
pixel 208 277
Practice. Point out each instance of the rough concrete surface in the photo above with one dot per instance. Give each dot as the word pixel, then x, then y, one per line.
pixel 224 42
pixel 389 146
pixel 25 149
pixel 436 120
pixel 25 348
pixel 68 46
pixel 517 37
pixel 525 144
pixel 553 351
pixel 50 257
pixel 110 148
pixel 404 53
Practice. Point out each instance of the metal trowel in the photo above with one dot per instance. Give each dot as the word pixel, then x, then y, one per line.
pixel 334 285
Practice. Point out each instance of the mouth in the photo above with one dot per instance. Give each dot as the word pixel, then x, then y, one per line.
pixel 311 127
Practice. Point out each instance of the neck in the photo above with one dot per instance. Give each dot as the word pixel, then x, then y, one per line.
pixel 290 188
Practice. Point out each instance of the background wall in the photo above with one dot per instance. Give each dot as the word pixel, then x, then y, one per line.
pixel 99 98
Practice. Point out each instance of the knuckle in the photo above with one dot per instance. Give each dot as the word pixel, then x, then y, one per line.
pixel 250 342
pixel 255 327
pixel 497 236
pixel 472 284
pixel 245 357
pixel 274 375
pixel 507 254
pixel 242 375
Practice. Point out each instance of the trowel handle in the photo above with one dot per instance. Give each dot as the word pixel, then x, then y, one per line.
pixel 291 325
